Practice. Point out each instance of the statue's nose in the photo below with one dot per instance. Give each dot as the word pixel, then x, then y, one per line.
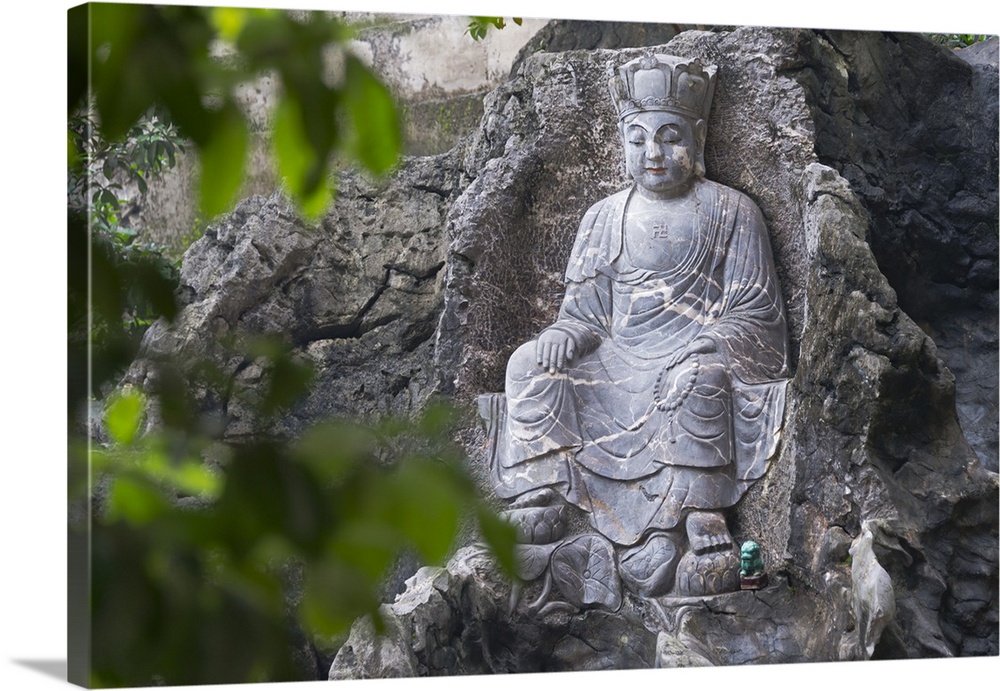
pixel 654 150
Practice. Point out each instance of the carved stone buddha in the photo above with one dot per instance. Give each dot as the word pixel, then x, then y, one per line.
pixel 656 398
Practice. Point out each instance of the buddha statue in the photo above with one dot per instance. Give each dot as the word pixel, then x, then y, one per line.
pixel 656 398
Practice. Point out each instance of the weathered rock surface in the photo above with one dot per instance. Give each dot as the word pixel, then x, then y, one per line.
pixel 458 620
pixel 874 160
pixel 920 149
pixel 560 35
pixel 357 296
pixel 872 594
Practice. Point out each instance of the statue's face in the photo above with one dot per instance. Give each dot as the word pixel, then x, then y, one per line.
pixel 661 151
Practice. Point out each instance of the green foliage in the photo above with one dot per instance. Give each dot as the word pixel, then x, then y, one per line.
pixel 131 286
pixel 480 26
pixel 99 167
pixel 123 414
pixel 222 158
pixel 156 56
pixel 131 283
pixel 378 139
pixel 958 40
pixel 197 552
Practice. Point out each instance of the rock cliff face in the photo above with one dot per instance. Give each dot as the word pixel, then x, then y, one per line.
pixel 874 160
pixel 357 296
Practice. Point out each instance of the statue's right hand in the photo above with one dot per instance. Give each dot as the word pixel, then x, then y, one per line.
pixel 554 350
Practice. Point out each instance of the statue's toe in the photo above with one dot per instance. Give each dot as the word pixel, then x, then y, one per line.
pixel 542 497
pixel 707 532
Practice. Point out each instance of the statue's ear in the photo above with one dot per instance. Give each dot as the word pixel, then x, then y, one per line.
pixel 700 134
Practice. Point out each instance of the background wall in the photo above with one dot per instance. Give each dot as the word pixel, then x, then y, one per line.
pixel 438 73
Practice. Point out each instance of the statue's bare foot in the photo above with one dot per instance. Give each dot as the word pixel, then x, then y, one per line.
pixel 712 565
pixel 648 568
pixel 707 532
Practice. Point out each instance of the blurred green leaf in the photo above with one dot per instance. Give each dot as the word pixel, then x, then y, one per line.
pixel 429 502
pixel 187 476
pixel 72 152
pixel 123 415
pixel 177 411
pixel 223 159
pixel 374 117
pixel 500 536
pixel 134 501
pixel 264 346
pixel 229 21
pixel 122 91
pixel 266 37
pixel 298 165
pixel 288 381
pixel 335 595
pixel 437 419
pixel 335 449
pixel 157 289
pixel 77 54
pixel 368 545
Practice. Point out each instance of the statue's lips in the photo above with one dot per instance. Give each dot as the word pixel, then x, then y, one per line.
pixel 656 171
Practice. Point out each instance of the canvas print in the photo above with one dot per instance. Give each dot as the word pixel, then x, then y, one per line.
pixel 413 345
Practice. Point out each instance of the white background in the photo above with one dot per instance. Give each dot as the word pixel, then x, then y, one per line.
pixel 32 220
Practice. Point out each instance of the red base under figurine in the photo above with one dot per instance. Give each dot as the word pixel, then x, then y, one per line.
pixel 753 582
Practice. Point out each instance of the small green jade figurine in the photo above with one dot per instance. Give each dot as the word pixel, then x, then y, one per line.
pixel 752 576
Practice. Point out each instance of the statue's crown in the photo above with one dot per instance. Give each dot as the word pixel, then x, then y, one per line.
pixel 663 82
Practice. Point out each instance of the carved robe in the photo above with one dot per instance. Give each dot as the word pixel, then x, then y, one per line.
pixel 625 432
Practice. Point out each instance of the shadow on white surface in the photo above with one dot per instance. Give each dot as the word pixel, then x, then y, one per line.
pixel 50 668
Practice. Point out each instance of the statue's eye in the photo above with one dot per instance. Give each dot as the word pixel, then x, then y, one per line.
pixel 669 135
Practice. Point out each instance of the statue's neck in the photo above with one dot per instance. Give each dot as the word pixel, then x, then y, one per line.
pixel 674 194
pixel 677 196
